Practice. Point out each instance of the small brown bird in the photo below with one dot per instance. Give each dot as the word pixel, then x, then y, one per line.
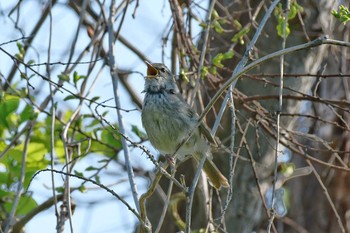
pixel 168 120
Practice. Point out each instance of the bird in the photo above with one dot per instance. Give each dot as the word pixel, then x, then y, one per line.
pixel 169 120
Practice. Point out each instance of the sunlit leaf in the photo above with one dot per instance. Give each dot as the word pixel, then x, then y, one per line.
pixel 63 77
pixel 91 168
pixel 343 14
pixel 82 189
pixel 78 173
pixel 204 71
pixel 70 97
pixel 94 99
pixel 77 77
pixel 218 28
pixel 138 132
pixel 239 35
pixel 215 14
pixel 111 139
pixel 25 205
pixel 27 113
pixel 59 189
pixel 97 179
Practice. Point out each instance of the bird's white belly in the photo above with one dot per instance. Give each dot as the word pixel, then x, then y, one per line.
pixel 166 129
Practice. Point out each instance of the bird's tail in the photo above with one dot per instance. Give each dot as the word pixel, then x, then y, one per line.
pixel 216 178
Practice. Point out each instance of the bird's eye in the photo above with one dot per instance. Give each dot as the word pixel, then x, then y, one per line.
pixel 162 70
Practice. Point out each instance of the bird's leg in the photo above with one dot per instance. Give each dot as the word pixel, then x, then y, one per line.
pixel 171 160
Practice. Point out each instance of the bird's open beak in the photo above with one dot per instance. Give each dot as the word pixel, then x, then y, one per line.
pixel 151 71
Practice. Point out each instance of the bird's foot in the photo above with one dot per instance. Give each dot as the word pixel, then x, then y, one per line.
pixel 171 160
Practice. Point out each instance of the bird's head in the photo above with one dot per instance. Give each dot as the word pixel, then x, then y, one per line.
pixel 159 78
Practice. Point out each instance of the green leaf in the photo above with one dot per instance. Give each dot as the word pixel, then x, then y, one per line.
pixel 287 169
pixel 111 139
pixel 229 54
pixel 218 28
pixel 237 24
pixel 183 75
pixel 91 168
pixel 59 150
pixel 343 14
pixel 94 99
pixel 78 173
pixel 213 70
pixel 77 77
pixel 20 48
pixel 60 189
pixel 8 106
pixel 204 71
pixel 30 62
pixel 63 77
pixel 82 189
pixel 25 205
pixel 70 97
pixel 295 8
pixel 280 15
pixel 138 132
pixel 93 123
pixel 97 178
pixel 36 152
pixel 217 60
pixel 220 57
pixel 27 113
pixel 239 35
pixel 215 14
pixel 203 25
pixel 279 29
pixel 5 194
pixel 19 56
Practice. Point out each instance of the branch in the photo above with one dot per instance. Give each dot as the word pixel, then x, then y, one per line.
pixel 20 180
pixel 317 42
pixel 114 75
pixel 190 194
pixel 18 226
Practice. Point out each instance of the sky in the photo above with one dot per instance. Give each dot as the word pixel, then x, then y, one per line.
pixel 145 32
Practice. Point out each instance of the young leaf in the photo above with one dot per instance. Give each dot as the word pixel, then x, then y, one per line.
pixel 343 14
pixel 138 132
pixel 70 97
pixel 63 77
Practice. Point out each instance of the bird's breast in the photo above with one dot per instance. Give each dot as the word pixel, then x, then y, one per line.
pixel 165 124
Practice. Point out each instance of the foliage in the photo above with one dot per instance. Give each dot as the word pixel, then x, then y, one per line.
pixel 280 15
pixel 343 14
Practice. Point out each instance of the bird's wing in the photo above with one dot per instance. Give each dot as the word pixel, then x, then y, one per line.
pixel 204 129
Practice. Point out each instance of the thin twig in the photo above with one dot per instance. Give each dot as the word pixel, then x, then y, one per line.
pixel 278 118
pixel 53 117
pixel 114 75
pixel 97 184
pixel 243 62
pixel 190 194
pixel 68 158
pixel 74 43
pixel 166 202
pixel 28 42
pixel 18 226
pixel 204 49
pixel 325 191
pixel 317 42
pixel 21 178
